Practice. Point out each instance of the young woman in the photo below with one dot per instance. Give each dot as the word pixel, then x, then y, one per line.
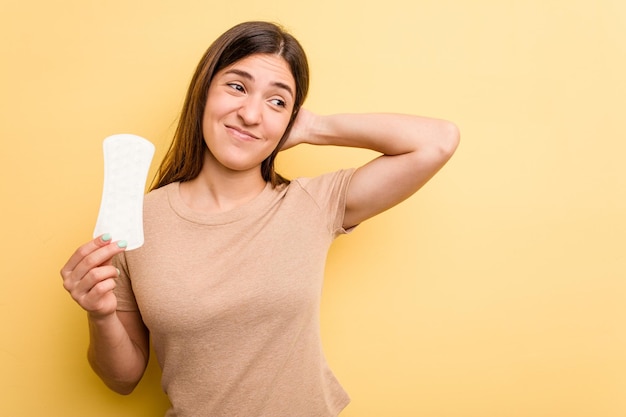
pixel 227 284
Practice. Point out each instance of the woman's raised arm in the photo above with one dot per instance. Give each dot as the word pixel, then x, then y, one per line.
pixel 413 149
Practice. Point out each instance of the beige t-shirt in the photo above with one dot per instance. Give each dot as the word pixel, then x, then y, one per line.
pixel 232 300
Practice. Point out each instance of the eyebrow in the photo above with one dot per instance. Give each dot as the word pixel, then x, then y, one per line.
pixel 249 76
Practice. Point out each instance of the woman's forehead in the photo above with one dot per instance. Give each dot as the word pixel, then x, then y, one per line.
pixel 268 67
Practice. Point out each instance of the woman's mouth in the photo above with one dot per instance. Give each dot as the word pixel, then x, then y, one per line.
pixel 241 133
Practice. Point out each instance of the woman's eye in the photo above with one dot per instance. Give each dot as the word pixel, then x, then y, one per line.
pixel 278 102
pixel 236 86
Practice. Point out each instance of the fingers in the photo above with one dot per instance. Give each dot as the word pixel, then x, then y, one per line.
pixel 85 250
pixel 89 276
pixel 95 277
pixel 94 292
pixel 301 130
pixel 93 253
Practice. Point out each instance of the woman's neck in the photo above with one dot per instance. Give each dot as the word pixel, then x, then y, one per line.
pixel 218 189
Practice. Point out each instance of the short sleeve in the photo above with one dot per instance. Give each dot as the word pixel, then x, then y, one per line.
pixel 329 191
pixel 123 290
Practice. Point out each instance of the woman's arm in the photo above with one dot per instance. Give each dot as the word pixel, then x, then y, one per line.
pixel 118 349
pixel 413 150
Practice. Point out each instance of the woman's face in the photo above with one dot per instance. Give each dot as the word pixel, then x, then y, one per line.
pixel 248 108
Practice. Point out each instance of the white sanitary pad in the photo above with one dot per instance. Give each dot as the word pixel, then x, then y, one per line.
pixel 127 160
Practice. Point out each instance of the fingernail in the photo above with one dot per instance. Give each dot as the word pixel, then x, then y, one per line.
pixel 106 237
pixel 118 272
pixel 122 244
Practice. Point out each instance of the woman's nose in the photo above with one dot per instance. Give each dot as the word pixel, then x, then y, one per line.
pixel 250 111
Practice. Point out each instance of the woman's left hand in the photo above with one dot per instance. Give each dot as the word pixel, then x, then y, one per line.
pixel 301 130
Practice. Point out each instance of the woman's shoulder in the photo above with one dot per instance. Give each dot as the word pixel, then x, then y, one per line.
pixel 159 196
pixel 324 189
pixel 324 181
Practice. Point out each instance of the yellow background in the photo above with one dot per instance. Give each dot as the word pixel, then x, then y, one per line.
pixel 496 291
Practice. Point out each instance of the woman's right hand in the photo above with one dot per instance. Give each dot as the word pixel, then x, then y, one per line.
pixel 89 276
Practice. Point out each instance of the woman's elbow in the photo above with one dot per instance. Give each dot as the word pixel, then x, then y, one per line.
pixel 449 139
pixel 122 387
pixel 123 382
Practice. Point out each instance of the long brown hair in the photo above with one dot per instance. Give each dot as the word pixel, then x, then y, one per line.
pixel 185 156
